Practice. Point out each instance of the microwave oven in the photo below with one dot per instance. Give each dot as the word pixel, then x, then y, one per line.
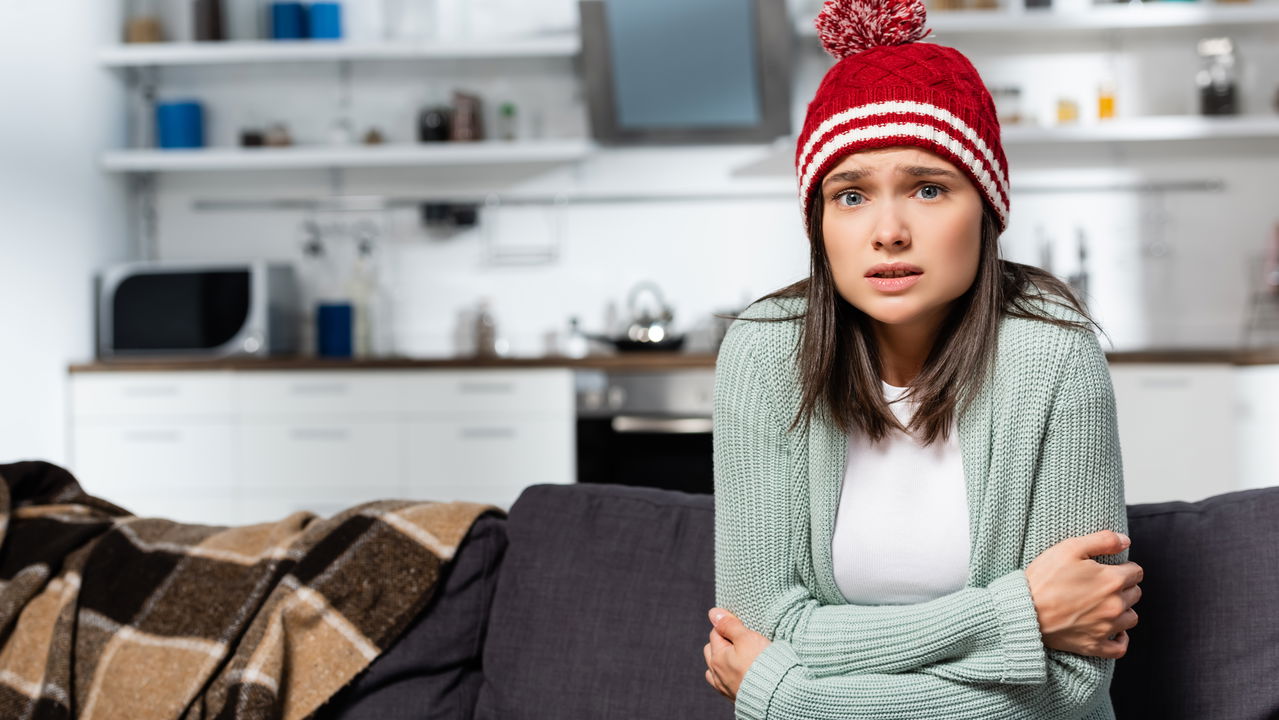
pixel 207 310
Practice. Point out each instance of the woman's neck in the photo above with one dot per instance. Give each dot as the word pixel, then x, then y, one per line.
pixel 903 348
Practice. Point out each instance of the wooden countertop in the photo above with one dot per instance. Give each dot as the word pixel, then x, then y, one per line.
pixel 634 362
pixel 637 361
pixel 1221 356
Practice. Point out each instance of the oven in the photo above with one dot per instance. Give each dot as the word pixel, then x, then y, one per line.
pixel 650 428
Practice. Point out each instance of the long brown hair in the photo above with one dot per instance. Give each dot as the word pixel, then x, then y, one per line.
pixel 838 357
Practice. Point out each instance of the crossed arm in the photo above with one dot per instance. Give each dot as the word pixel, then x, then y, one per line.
pixel 975 653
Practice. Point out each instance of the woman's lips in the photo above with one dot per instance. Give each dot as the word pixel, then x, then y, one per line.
pixel 895 284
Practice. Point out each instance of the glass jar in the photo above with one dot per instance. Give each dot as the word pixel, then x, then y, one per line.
pixel 1007 104
pixel 1217 79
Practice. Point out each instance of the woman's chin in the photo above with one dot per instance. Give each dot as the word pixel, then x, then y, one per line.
pixel 893 312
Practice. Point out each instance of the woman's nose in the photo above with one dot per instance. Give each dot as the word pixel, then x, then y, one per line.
pixel 891 231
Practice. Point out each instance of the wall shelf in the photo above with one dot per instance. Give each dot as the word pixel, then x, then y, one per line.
pixel 951 24
pixel 1187 128
pixel 1148 129
pixel 492 152
pixel 268 51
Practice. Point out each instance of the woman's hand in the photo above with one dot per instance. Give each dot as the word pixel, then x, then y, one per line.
pixel 729 654
pixel 1085 607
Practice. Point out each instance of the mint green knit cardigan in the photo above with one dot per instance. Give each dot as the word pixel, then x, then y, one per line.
pixel 1041 464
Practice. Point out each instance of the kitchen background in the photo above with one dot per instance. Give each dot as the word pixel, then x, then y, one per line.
pixel 1162 212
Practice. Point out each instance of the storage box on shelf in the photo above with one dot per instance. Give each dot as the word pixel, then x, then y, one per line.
pixel 246 446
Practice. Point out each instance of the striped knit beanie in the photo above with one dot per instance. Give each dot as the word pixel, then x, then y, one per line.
pixel 886 89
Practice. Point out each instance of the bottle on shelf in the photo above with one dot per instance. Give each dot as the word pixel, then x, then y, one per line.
pixel 1078 280
pixel 1218 77
pixel 143 24
pixel 1106 99
pixel 576 344
pixel 1067 111
pixel 487 341
pixel 361 288
pixel 507 122
pixel 209 25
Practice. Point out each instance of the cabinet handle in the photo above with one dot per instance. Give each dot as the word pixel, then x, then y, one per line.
pixel 150 391
pixel 665 426
pixel 312 389
pixel 320 434
pixel 153 436
pixel 488 433
pixel 1166 383
pixel 485 388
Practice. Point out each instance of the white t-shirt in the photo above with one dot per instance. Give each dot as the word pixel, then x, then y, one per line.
pixel 901 531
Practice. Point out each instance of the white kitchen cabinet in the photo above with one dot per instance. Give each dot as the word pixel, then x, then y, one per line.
pixel 487 459
pixel 113 396
pixel 468 392
pixel 1177 427
pixel 310 393
pixel 236 447
pixel 1258 407
pixel 158 444
pixel 484 437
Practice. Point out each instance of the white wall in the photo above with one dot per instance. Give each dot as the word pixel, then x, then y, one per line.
pixel 59 216
pixel 1147 253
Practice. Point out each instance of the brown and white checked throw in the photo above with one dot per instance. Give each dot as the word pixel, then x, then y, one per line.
pixel 107 615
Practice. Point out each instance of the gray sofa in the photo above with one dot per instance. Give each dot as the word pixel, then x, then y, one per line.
pixel 589 601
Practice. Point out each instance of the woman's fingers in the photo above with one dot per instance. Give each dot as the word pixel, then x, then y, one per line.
pixel 1127 621
pixel 718 641
pixel 1130 595
pixel 715 683
pixel 1115 648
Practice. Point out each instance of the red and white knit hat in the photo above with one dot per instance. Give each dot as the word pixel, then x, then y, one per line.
pixel 887 90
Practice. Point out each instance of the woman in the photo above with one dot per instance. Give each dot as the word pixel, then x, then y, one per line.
pixel 919 495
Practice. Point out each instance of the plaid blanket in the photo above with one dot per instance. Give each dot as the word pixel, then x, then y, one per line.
pixel 107 615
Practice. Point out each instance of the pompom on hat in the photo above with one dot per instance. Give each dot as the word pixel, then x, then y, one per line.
pixel 887 90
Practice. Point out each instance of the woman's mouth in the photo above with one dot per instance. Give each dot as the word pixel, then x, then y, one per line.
pixel 893 277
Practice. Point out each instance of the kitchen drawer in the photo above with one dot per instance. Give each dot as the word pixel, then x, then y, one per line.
pixel 314 455
pixel 490 453
pixel 270 393
pixel 113 460
pixel 502 496
pixel 1177 430
pixel 1258 418
pixel 271 505
pixel 207 508
pixel 450 392
pixel 142 394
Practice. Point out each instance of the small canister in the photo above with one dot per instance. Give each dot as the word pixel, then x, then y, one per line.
pixel 179 124
pixel 326 21
pixel 288 21
pixel 435 125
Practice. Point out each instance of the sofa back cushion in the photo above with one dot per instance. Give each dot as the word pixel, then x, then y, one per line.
pixel 601 607
pixel 1207 640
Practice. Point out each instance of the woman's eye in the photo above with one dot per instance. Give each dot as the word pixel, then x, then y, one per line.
pixel 842 198
pixel 926 188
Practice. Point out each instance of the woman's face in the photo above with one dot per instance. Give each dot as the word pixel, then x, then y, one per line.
pixel 902 232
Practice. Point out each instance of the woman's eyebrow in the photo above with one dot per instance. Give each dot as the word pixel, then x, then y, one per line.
pixel 856 174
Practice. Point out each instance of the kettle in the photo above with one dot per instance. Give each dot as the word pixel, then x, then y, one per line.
pixel 649 329
pixel 646 326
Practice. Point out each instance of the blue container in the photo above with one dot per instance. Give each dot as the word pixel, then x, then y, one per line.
pixel 334 329
pixel 326 21
pixel 179 124
pixel 288 21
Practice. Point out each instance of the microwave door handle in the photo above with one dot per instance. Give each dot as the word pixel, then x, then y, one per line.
pixel 667 426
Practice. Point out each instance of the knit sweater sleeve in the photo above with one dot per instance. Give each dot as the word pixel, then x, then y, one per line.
pixel 970 654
